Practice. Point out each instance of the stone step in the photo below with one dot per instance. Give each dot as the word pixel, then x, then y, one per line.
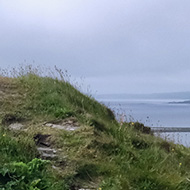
pixel 47 152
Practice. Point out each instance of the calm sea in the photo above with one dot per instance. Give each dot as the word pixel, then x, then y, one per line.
pixel 154 113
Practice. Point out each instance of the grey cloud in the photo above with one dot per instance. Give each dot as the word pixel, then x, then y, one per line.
pixel 137 40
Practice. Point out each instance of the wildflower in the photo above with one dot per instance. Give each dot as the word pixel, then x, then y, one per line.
pixel 132 123
pixel 99 188
pixel 180 164
pixel 4 135
pixel 173 150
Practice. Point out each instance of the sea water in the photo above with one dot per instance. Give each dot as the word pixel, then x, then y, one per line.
pixel 154 113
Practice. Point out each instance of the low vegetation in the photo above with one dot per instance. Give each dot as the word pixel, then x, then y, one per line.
pixel 101 153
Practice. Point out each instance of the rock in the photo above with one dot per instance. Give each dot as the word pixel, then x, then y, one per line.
pixel 16 126
pixel 47 153
pixel 67 124
pixel 62 127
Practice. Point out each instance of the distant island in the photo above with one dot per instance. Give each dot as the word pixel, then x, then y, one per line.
pixel 181 102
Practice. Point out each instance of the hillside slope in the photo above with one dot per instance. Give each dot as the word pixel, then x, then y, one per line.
pixel 55 137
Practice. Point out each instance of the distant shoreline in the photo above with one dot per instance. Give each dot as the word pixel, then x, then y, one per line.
pixel 169 96
pixel 169 129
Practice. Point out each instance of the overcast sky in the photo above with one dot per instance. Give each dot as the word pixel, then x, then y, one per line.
pixel 123 46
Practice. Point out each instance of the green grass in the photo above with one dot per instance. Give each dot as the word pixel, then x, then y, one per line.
pixel 19 167
pixel 101 154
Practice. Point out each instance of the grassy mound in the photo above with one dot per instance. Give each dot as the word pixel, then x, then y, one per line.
pixel 100 154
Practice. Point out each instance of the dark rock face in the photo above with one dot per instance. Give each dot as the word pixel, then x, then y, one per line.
pixel 140 127
pixel 42 140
